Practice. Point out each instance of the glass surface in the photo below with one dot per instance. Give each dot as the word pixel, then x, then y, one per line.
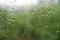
pixel 29 19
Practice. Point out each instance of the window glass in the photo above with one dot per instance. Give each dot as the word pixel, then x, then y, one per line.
pixel 29 19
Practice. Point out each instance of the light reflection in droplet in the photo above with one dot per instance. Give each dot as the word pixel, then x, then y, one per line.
pixel 57 31
pixel 13 20
pixel 9 22
pixel 46 26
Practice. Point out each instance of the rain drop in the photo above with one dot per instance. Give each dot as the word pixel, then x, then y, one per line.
pixel 12 13
pixel 42 15
pixel 6 35
pixel 35 9
pixel 46 26
pixel 22 34
pixel 36 24
pixel 46 14
pixel 14 20
pixel 32 13
pixel 9 22
pixel 57 31
pixel 49 11
pixel 25 11
pixel 59 7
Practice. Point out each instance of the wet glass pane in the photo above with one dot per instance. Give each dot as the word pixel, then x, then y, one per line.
pixel 29 19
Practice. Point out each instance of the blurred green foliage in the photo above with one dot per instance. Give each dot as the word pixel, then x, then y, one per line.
pixel 40 23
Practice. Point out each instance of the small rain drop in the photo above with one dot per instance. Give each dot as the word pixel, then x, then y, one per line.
pixel 57 31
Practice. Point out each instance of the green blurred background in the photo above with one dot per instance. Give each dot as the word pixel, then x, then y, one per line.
pixel 41 22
